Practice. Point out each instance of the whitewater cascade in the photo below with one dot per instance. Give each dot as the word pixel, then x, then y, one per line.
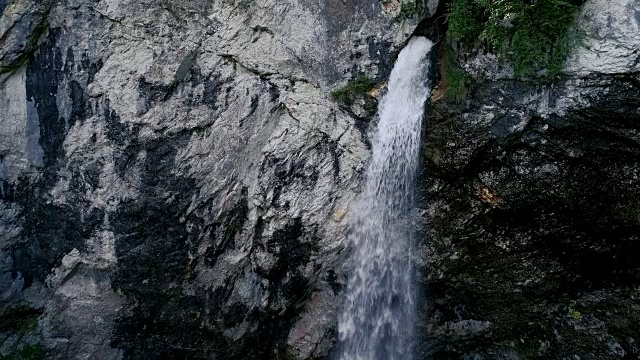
pixel 378 316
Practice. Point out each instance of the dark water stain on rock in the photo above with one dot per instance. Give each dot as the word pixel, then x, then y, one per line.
pixel 51 229
pixel 380 51
pixel 225 229
pixel 49 232
pixel 117 132
pixel 151 246
pixel 187 78
pixel 3 5
pixel 154 239
pixel 293 247
pixel 45 72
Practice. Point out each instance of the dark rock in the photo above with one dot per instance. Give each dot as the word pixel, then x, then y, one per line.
pixel 527 213
pixel 44 73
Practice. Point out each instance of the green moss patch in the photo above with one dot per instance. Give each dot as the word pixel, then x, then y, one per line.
pixel 533 34
pixel 29 352
pixel 456 82
pixel 355 87
pixel 20 319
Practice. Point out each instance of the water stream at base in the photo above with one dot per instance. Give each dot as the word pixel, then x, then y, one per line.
pixel 379 313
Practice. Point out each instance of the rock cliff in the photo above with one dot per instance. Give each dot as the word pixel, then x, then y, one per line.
pixel 531 192
pixel 177 180
pixel 175 174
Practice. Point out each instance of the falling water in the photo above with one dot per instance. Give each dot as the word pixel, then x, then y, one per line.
pixel 376 323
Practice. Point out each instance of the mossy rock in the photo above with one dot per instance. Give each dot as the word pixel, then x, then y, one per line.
pixel 359 86
pixel 29 352
pixel 20 319
pixel 534 36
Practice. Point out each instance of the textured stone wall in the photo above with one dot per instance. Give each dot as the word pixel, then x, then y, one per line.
pixel 175 176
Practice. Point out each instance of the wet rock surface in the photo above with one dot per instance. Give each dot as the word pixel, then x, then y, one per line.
pixel 530 209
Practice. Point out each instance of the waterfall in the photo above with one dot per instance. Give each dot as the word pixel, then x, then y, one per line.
pixel 379 312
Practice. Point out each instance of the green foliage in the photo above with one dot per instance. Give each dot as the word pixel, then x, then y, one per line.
pixel 29 352
pixel 456 87
pixel 21 319
pixel 533 34
pixel 358 86
pixel 543 40
pixel 409 9
pixel 575 314
pixel 407 12
pixel 456 82
pixel 465 20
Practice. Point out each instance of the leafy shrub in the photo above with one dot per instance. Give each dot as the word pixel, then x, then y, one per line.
pixel 465 20
pixel 533 34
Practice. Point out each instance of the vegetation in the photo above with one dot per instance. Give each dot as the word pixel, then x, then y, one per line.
pixel 355 87
pixel 29 352
pixel 533 34
pixel 21 319
pixel 409 9
pixel 456 82
pixel 575 314
pixel 465 20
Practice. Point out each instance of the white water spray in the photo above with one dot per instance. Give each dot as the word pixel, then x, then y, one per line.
pixel 378 317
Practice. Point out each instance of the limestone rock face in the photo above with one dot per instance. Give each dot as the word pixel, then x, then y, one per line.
pixel 611 34
pixel 176 183
pixel 175 175
pixel 530 207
